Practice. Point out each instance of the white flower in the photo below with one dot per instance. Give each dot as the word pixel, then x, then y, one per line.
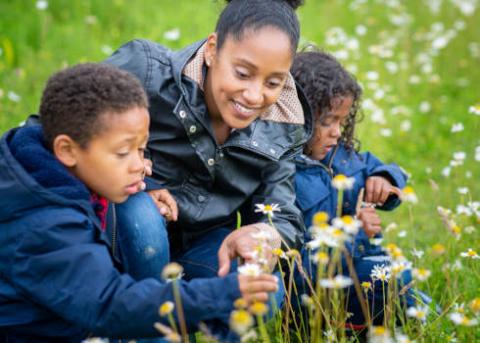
pixel 106 49
pixel 460 319
pixel 381 272
pixel 425 107
pixel 172 35
pixel 417 253
pixel 360 30
pixel 251 269
pixel 408 195
pixel 341 182
pixel 462 190
pixel 385 132
pixel 420 312
pixel 348 223
pixel 241 321
pixel 474 109
pixel 12 96
pixel 402 234
pixel 470 253
pixel 379 334
pixel 459 156
pixel 469 229
pixel 421 274
pixel 172 271
pixel 267 209
pixel 457 127
pixel 339 281
pixel 401 338
pixel 406 125
pixel 446 171
pixel 41 5
pixel 462 209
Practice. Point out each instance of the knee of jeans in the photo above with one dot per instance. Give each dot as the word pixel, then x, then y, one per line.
pixel 139 211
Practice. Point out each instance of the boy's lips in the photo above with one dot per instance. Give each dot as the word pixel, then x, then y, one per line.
pixel 133 187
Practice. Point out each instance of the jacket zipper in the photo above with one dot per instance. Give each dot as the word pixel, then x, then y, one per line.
pixel 114 230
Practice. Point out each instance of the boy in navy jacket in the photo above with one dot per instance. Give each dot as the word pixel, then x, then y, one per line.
pixel 59 277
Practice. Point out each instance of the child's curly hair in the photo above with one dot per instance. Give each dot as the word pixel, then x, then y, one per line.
pixel 323 79
pixel 75 99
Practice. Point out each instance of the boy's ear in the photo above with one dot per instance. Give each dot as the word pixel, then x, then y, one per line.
pixel 211 49
pixel 65 150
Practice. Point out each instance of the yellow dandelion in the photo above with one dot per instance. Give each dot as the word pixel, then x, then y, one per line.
pixel 166 308
pixel 456 230
pixel 240 321
pixel 258 308
pixel 293 253
pixel 320 218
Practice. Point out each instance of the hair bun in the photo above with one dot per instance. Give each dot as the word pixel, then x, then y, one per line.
pixel 293 3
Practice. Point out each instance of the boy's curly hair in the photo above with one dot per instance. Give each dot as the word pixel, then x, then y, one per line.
pixel 323 79
pixel 75 99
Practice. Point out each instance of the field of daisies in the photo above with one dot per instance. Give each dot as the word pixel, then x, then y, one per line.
pixel 418 63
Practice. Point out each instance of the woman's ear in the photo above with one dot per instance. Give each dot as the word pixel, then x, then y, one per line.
pixel 65 150
pixel 211 49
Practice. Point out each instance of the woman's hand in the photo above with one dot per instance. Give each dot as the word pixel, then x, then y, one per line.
pixel 166 203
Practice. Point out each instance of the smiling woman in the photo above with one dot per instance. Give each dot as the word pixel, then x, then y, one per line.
pixel 226 121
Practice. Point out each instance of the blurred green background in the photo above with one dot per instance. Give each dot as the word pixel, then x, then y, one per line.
pixel 418 61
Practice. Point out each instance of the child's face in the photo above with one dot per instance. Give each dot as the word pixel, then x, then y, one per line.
pixel 328 130
pixel 245 77
pixel 112 164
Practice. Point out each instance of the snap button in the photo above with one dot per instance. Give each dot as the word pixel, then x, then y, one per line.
pixel 201 198
pixel 254 143
pixel 182 114
pixel 347 204
pixel 211 161
pixel 193 129
pixel 221 154
pixel 272 151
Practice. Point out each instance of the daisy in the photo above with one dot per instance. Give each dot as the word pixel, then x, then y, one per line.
pixel 460 319
pixel 172 271
pixel 470 253
pixel 251 269
pixel 241 321
pixel 166 308
pixel 474 109
pixel 381 272
pixel 408 195
pixel 421 274
pixel 349 224
pixel 267 209
pixel 420 312
pixel 341 182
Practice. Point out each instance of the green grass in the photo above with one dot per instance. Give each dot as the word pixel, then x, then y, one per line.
pixel 35 43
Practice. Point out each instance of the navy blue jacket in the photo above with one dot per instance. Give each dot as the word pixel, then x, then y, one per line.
pixel 58 281
pixel 315 192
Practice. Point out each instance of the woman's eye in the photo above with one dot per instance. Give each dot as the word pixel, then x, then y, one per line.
pixel 273 84
pixel 241 74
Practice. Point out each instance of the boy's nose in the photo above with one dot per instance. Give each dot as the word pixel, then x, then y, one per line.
pixel 336 131
pixel 138 164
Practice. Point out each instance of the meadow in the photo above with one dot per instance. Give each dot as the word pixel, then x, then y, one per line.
pixel 417 61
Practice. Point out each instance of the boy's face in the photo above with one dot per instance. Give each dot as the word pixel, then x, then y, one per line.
pixel 328 130
pixel 112 164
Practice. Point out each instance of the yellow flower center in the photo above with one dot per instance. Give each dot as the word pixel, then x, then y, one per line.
pixel 348 220
pixel 408 190
pixel 320 218
pixel 258 308
pixel 268 208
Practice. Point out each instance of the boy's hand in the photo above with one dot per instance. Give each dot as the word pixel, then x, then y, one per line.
pixel 371 222
pixel 240 243
pixel 378 189
pixel 256 288
pixel 166 204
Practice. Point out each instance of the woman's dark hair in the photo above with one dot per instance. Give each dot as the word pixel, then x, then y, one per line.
pixel 323 79
pixel 74 100
pixel 242 15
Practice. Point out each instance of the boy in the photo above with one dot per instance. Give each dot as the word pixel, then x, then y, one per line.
pixel 59 280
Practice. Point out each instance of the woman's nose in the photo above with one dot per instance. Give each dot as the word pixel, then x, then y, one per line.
pixel 253 94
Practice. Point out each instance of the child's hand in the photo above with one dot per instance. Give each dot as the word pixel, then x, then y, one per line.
pixel 147 171
pixel 377 190
pixel 256 288
pixel 166 204
pixel 371 222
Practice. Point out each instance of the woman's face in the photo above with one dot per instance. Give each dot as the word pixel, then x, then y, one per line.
pixel 246 76
pixel 328 129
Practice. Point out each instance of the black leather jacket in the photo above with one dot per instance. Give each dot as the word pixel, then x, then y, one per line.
pixel 210 182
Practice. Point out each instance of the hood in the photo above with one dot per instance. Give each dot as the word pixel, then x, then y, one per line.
pixel 31 176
